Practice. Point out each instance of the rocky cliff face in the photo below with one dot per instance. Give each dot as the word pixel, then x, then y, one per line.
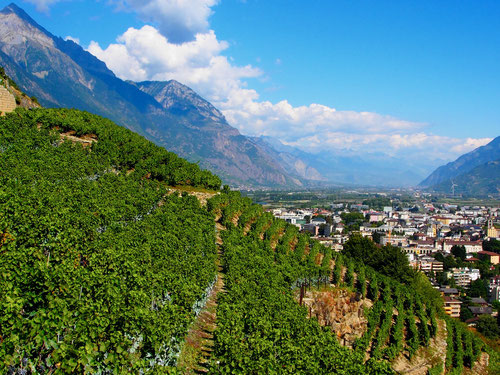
pixel 180 99
pixel 61 74
pixel 208 138
pixel 341 310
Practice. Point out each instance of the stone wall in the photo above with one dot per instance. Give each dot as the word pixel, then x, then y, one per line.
pixel 7 101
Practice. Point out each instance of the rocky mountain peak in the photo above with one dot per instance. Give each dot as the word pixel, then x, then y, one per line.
pixel 16 27
pixel 180 99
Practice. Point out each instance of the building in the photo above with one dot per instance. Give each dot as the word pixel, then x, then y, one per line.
pixel 443 220
pixel 400 241
pixel 311 228
pixel 428 264
pixel 480 310
pixel 449 292
pixel 452 307
pixel 494 293
pixel 489 256
pixel 464 276
pixel 374 217
pixel 492 232
pixel 7 100
pixel 479 301
pixel 470 246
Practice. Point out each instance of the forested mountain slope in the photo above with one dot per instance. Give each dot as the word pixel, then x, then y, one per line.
pixel 106 268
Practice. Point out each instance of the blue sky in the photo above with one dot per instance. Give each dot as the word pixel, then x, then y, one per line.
pixel 412 79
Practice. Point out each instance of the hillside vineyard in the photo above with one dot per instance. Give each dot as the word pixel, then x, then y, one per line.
pixel 105 268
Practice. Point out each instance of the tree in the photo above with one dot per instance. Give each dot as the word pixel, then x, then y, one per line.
pixel 352 220
pixel 439 257
pixel 441 278
pixel 376 237
pixel 465 313
pixel 389 260
pixel 459 251
pixel 449 262
pixel 488 326
pixel 492 245
pixel 478 288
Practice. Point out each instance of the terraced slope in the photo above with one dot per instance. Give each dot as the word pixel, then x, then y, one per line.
pixel 102 268
pixel 117 256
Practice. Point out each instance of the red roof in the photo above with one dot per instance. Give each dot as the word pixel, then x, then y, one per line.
pixel 472 259
pixel 458 242
pixel 489 253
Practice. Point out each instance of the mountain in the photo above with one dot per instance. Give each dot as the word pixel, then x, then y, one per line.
pixel 464 164
pixel 298 162
pixel 347 168
pixel 481 181
pixel 61 74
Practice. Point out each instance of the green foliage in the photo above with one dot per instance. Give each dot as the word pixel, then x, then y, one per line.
pixel 337 270
pixel 361 280
pixel 436 370
pixel 5 77
pixel 349 274
pixel 463 347
pixel 378 203
pixel 478 288
pixel 89 281
pixel 388 260
pixel 352 220
pixel 260 326
pixel 116 146
pixel 459 251
pixel 492 245
pixel 412 336
pixel 488 326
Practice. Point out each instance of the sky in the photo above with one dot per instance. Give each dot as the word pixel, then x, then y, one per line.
pixel 415 80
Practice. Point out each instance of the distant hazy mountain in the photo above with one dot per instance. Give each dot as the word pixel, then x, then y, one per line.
pixel 332 167
pixel 464 164
pixel 61 74
pixel 295 161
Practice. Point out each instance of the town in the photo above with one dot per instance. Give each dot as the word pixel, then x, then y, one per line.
pixel 456 246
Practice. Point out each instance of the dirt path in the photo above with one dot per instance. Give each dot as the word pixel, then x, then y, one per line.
pixel 199 343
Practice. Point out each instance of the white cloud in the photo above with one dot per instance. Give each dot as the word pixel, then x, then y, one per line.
pixel 76 40
pixel 179 20
pixel 145 54
pixel 152 53
pixel 415 146
pixel 286 122
pixel 42 5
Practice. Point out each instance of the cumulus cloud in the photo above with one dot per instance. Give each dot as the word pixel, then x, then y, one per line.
pixel 285 121
pixel 415 146
pixel 147 54
pixel 179 20
pixel 76 40
pixel 181 46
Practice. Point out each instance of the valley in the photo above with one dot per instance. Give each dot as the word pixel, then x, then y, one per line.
pixel 143 232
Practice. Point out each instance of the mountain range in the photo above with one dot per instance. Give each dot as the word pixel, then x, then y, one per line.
pixel 476 173
pixel 60 73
